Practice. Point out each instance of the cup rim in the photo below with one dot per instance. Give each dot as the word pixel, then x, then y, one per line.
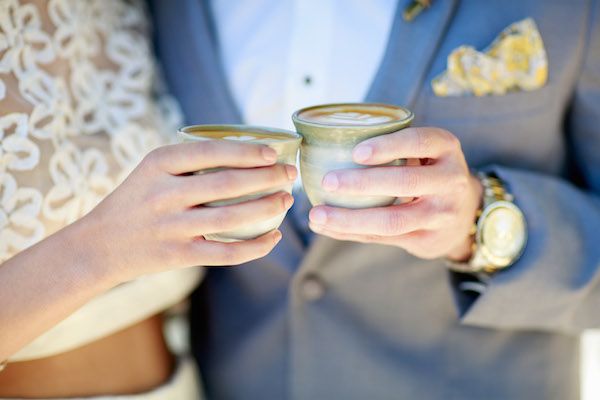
pixel 288 136
pixel 409 116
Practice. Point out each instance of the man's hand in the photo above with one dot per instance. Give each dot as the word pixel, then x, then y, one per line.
pixel 436 223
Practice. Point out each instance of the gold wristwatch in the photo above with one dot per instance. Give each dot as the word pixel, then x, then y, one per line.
pixel 500 230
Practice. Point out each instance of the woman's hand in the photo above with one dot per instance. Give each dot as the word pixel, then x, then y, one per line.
pixel 436 223
pixel 154 220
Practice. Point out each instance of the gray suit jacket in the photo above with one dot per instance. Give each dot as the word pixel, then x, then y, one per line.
pixel 346 320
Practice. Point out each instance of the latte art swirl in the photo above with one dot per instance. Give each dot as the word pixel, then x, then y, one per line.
pixel 241 138
pixel 353 118
pixel 361 115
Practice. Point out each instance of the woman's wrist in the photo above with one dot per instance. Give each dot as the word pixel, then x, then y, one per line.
pixel 91 259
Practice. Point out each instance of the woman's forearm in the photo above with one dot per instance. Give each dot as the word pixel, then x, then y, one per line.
pixel 44 284
pixel 150 223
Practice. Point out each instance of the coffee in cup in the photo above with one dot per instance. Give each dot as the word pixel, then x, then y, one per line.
pixel 330 132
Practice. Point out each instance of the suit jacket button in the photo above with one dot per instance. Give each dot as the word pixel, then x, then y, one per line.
pixel 312 288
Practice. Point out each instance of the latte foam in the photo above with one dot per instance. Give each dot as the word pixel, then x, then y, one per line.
pixel 352 118
pixel 257 137
pixel 241 138
pixel 353 114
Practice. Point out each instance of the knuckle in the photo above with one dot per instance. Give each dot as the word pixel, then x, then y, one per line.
pixel 442 213
pixel 208 151
pixel 171 254
pixel 460 183
pixel 154 158
pixel 159 200
pixel 205 148
pixel 353 180
pixel 409 180
pixel 394 223
pixel 224 218
pixel 230 256
pixel 423 140
pixel 223 182
pixel 449 139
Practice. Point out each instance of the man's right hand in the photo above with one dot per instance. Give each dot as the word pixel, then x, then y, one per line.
pixel 155 220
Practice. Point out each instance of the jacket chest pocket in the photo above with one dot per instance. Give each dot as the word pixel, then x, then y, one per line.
pixel 521 129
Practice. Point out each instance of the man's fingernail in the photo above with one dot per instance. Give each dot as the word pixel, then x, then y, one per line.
pixel 362 152
pixel 318 216
pixel 291 172
pixel 269 154
pixel 330 182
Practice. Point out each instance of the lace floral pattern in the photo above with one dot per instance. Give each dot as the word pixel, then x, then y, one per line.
pixel 80 105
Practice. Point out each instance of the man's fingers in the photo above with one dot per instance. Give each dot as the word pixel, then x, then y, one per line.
pixel 381 222
pixel 231 183
pixel 405 241
pixel 421 142
pixel 350 237
pixel 182 158
pixel 226 254
pixel 402 181
pixel 205 220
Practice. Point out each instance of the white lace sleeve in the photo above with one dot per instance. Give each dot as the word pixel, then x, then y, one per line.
pixel 79 108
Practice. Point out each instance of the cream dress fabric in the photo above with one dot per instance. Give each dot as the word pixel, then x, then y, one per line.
pixel 80 106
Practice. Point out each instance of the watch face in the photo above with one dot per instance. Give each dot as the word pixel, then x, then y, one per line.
pixel 503 233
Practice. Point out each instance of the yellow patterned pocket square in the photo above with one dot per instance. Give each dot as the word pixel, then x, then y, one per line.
pixel 516 60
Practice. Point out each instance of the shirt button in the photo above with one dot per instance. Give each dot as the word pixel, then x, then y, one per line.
pixel 312 288
pixel 307 80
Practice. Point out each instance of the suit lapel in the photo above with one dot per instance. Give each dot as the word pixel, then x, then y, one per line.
pixel 408 56
pixel 410 50
pixel 214 103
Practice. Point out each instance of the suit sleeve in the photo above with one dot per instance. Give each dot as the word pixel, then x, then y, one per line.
pixel 555 285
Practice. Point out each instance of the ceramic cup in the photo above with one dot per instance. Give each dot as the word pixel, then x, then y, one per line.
pixel 285 143
pixel 330 132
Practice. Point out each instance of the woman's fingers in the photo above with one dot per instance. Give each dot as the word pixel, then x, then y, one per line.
pixel 231 183
pixel 210 253
pixel 422 142
pixel 205 220
pixel 182 158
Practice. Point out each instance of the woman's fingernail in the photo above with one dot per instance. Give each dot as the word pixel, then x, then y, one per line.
pixel 318 216
pixel 330 182
pixel 277 236
pixel 269 154
pixel 291 172
pixel 362 152
pixel 288 201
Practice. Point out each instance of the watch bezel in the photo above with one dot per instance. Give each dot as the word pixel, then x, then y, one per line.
pixel 499 262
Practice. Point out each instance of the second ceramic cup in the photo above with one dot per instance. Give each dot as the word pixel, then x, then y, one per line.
pixel 330 132
pixel 284 143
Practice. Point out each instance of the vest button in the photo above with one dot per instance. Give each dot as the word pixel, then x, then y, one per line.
pixel 312 288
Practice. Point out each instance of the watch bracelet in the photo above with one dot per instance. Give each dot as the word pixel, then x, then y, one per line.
pixel 493 190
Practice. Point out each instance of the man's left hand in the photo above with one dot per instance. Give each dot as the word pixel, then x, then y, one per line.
pixel 437 222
